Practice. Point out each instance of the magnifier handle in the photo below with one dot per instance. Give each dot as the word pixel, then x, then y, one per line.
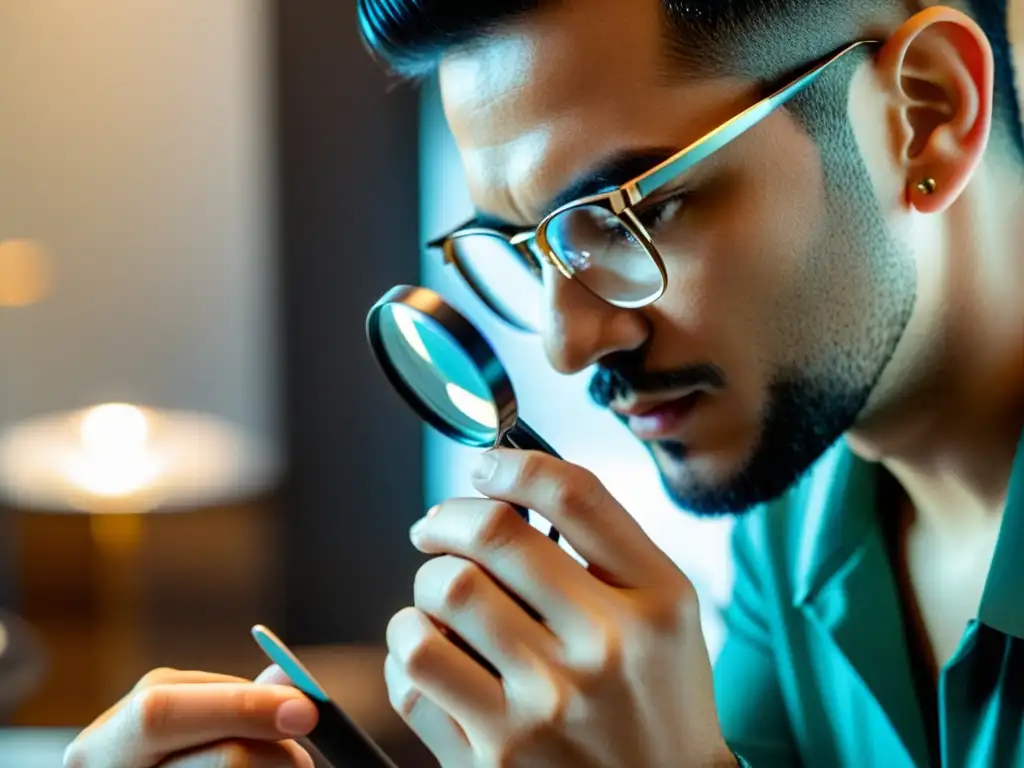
pixel 523 437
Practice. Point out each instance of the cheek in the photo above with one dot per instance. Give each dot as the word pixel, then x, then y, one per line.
pixel 878 135
pixel 739 280
pixel 741 273
pixel 765 245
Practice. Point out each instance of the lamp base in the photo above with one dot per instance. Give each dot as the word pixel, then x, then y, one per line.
pixel 23 664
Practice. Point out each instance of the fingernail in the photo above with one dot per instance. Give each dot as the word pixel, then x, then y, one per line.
pixel 296 717
pixel 417 527
pixel 485 467
pixel 272 675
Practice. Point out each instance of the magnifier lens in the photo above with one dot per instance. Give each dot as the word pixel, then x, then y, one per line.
pixel 448 372
pixel 439 372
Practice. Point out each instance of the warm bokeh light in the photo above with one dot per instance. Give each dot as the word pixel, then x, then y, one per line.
pixel 114 428
pixel 115 461
pixel 117 457
pixel 25 273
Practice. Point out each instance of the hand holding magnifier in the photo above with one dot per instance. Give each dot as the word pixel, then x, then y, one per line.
pixel 446 370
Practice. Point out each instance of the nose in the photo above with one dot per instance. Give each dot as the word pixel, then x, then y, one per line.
pixel 579 329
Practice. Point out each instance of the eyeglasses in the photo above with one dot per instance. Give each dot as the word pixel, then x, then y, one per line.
pixel 600 240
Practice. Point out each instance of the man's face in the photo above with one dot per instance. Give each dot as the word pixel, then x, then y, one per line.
pixel 784 290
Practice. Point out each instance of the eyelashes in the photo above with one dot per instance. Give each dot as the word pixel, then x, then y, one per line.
pixel 663 212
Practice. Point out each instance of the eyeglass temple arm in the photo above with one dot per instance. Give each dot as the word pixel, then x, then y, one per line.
pixel 519 240
pixel 745 120
pixel 440 240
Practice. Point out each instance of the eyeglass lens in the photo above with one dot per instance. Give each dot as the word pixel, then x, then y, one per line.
pixel 604 255
pixel 593 243
pixel 502 277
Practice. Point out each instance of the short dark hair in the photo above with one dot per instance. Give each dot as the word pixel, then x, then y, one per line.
pixel 759 39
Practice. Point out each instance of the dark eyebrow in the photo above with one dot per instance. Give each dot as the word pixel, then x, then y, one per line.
pixel 610 173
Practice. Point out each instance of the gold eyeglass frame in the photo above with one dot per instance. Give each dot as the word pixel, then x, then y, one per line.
pixel 622 201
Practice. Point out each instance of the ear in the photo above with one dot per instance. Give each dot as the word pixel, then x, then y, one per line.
pixel 939 68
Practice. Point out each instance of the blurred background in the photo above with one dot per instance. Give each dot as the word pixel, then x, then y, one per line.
pixel 199 201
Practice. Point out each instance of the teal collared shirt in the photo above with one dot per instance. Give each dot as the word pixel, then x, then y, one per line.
pixel 816 670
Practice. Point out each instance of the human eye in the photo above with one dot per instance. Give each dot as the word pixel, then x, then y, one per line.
pixel 612 230
pixel 658 215
pixel 653 217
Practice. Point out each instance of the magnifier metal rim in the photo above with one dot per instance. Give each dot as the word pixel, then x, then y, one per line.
pixel 461 332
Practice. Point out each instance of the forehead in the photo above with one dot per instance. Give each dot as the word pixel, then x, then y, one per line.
pixel 538 104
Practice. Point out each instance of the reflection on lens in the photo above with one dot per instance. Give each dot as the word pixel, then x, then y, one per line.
pixel 502 277
pixel 603 254
pixel 407 326
pixel 476 408
pixel 439 373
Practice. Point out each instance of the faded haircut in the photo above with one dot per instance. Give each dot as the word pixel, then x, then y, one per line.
pixel 763 40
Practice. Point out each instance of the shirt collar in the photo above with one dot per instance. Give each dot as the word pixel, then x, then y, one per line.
pixel 1002 606
pixel 838 499
pixel 844 585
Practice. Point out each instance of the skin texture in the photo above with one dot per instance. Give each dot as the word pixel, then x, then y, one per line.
pixel 811 265
pixel 807 271
pixel 787 271
pixel 185 719
pixel 620 642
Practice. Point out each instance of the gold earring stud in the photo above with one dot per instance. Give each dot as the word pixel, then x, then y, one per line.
pixel 926 186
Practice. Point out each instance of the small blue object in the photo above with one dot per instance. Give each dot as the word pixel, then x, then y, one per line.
pixel 286 660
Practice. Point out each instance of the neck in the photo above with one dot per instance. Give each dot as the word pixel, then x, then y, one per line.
pixel 951 441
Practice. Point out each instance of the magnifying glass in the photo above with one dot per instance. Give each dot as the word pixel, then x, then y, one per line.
pixel 449 374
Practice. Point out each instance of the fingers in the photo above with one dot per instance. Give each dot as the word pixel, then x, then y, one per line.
pixel 166 675
pixel 157 677
pixel 243 754
pixel 158 721
pixel 518 556
pixel 462 596
pixel 576 503
pixel 438 731
pixel 443 672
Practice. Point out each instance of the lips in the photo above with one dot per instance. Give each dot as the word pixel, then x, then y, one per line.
pixel 656 420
